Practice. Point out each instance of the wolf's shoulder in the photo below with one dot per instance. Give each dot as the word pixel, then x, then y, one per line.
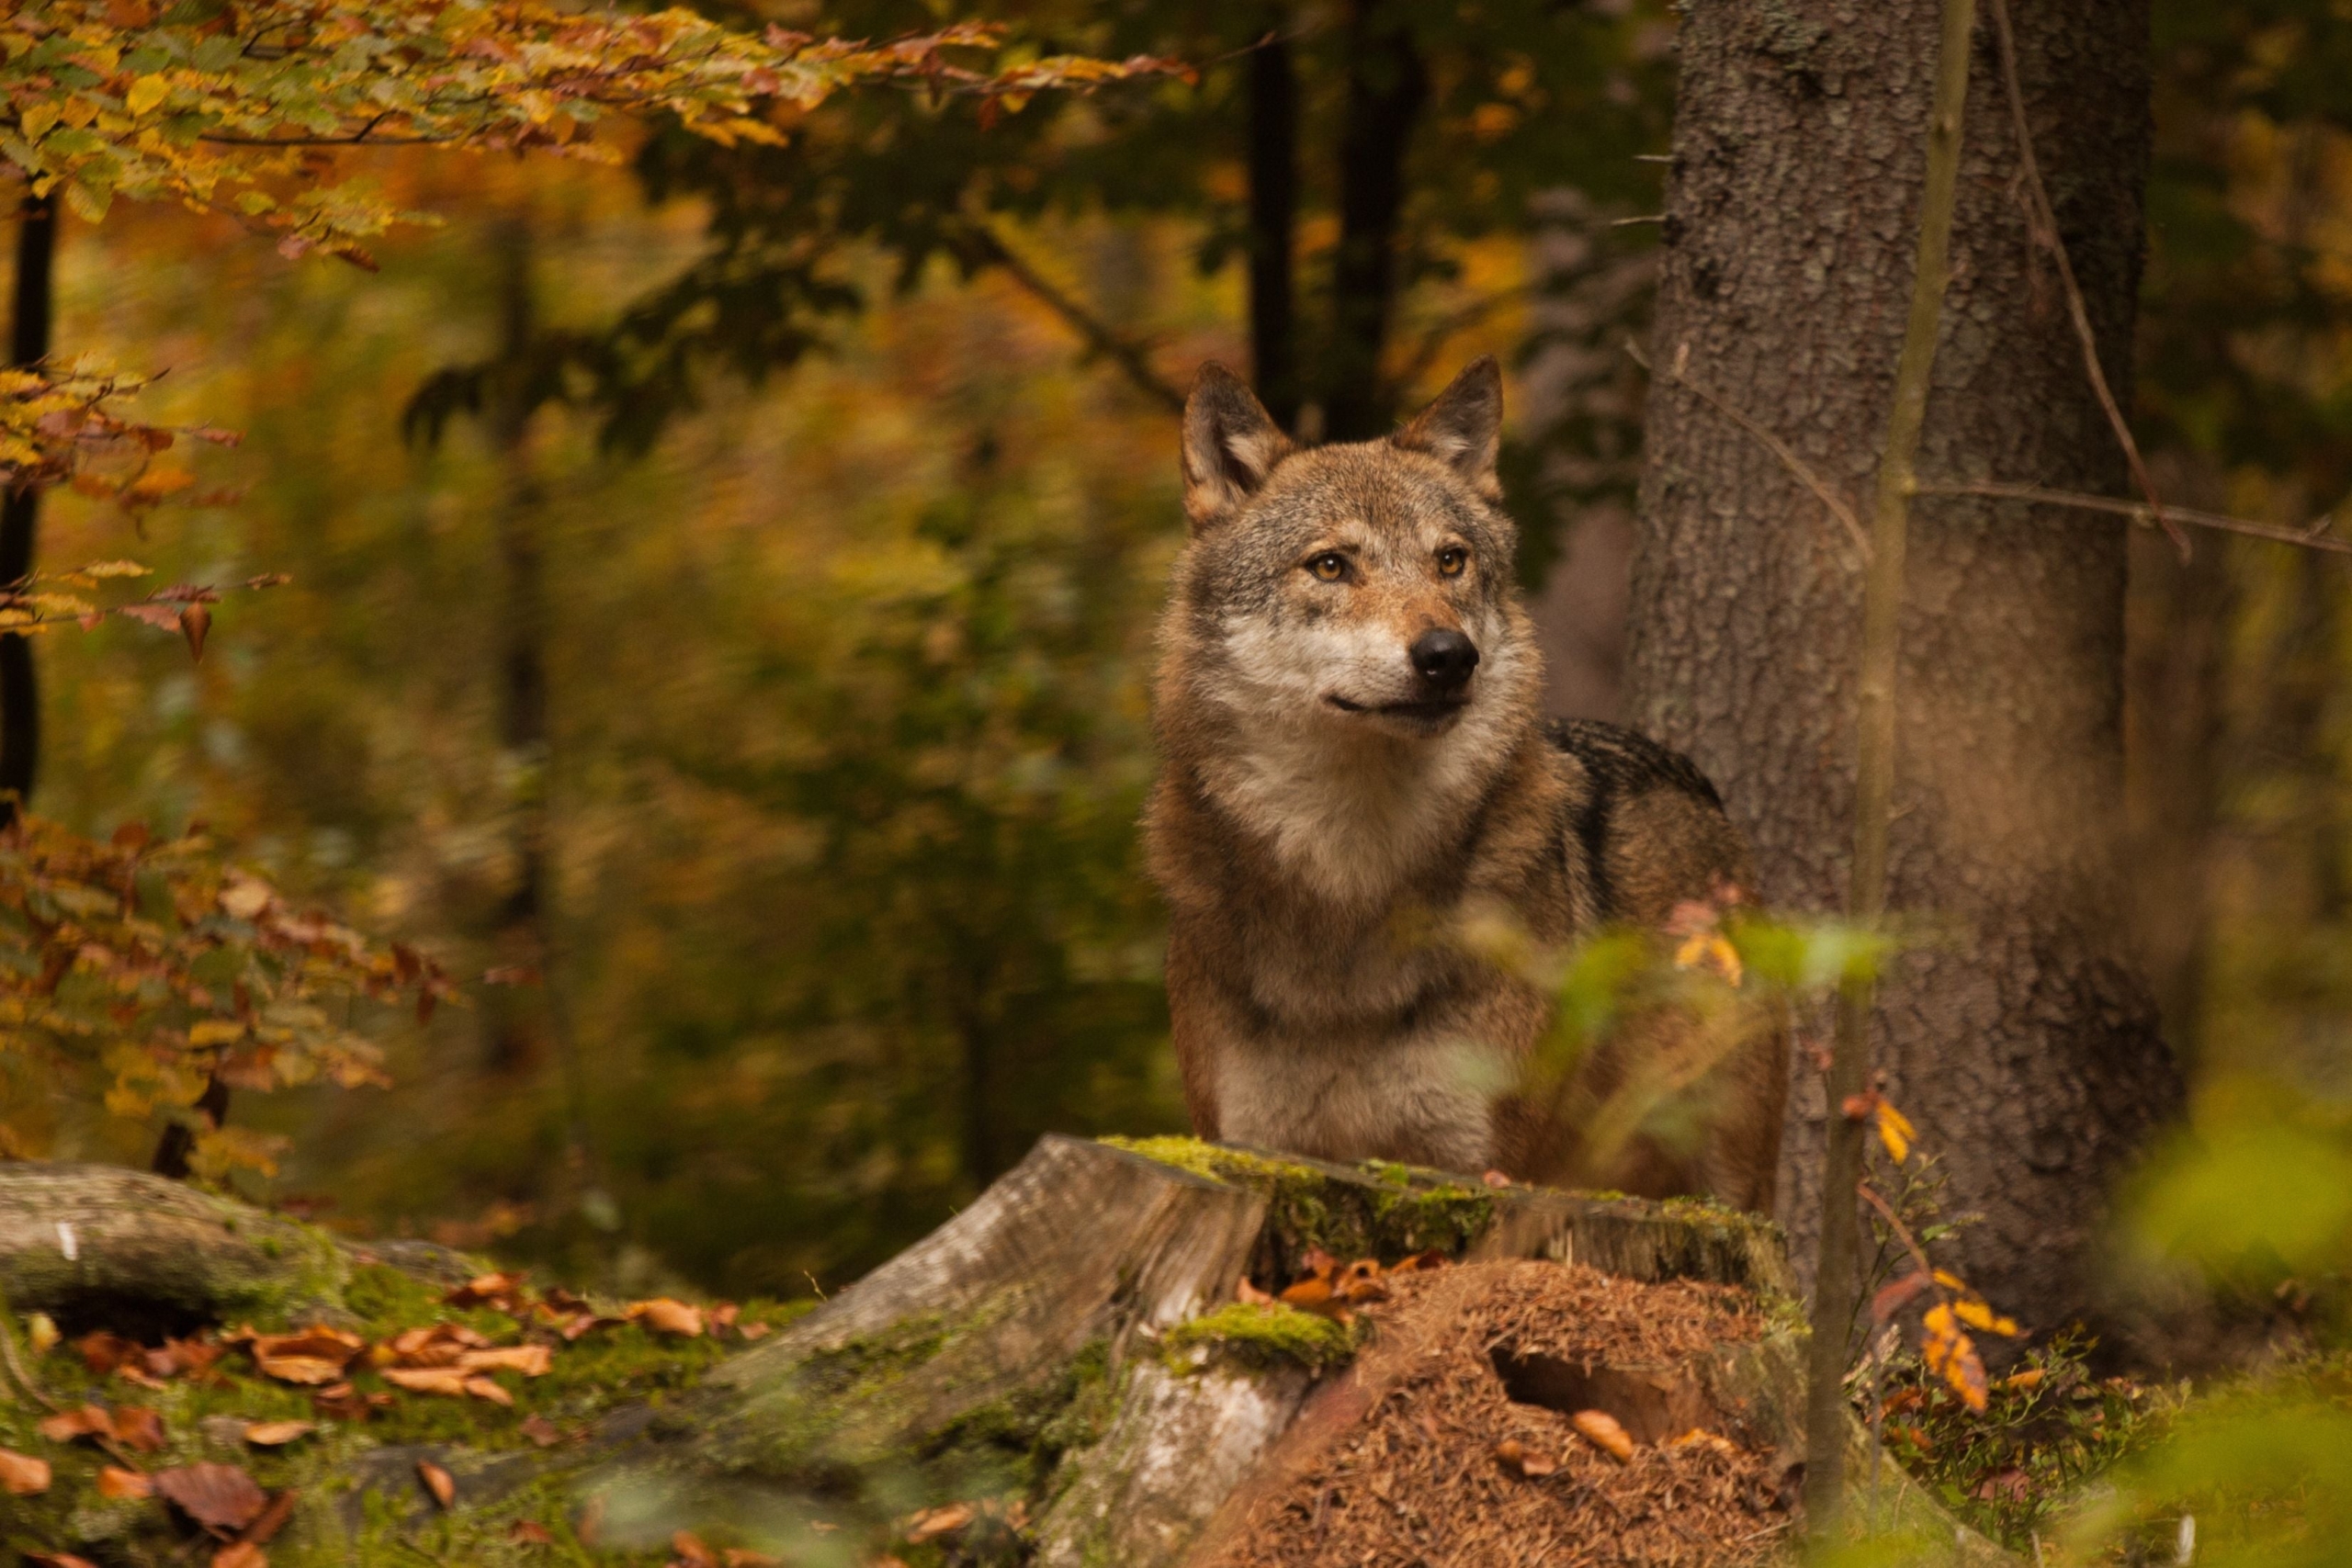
pixel 1620 762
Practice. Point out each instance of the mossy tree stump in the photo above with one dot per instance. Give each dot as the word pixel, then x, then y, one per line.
pixel 1068 1341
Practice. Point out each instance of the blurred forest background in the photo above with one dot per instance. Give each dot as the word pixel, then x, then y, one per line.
pixel 723 582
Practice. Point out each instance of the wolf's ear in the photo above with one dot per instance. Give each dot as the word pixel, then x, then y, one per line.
pixel 1231 444
pixel 1464 427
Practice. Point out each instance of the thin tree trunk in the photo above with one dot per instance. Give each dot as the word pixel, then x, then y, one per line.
pixel 20 514
pixel 1274 221
pixel 1387 86
pixel 2016 1033
pixel 518 1018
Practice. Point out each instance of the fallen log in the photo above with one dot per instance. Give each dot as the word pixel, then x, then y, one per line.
pixel 1061 1374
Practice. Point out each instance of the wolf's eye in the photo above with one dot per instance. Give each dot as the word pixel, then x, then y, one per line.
pixel 1452 559
pixel 1328 567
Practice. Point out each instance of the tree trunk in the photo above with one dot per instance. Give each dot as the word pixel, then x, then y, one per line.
pixel 1273 226
pixel 2016 1033
pixel 1386 88
pixel 20 512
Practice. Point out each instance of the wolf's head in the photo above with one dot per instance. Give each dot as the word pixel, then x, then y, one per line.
pixel 1346 643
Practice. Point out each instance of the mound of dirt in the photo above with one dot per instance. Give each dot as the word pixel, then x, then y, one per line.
pixel 1456 1439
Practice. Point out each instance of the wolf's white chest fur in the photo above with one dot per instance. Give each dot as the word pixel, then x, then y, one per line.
pixel 1425 1100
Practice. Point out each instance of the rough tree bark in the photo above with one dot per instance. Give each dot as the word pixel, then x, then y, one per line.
pixel 1387 86
pixel 2017 1034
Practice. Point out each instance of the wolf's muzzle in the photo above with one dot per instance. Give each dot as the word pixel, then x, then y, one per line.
pixel 1444 659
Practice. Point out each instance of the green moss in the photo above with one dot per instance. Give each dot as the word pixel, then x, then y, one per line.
pixel 1377 1210
pixel 1258 1335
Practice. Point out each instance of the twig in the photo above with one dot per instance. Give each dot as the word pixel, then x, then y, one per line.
pixel 2315 538
pixel 1443 328
pixel 1902 1232
pixel 2041 218
pixel 1834 1273
pixel 983 245
pixel 1838 506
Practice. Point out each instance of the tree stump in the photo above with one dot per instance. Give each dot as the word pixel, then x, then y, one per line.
pixel 1069 1346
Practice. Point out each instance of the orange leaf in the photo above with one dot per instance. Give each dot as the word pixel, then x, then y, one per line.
pixel 692 1553
pixel 241 1555
pixel 22 1475
pixel 490 1389
pixel 929 1524
pixel 668 1316
pixel 540 1430
pixel 273 1433
pixel 137 1426
pixel 530 1532
pixel 194 621
pixel 428 1380
pixel 531 1360
pixel 1600 1428
pixel 118 1483
pixel 1247 1292
pixel 90 1420
pixel 437 1481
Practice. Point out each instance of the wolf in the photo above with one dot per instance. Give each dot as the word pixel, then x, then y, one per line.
pixel 1355 772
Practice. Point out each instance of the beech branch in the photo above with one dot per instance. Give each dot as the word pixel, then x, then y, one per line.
pixel 2042 219
pixel 983 246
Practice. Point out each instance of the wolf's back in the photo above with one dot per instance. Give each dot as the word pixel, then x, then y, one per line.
pixel 1650 827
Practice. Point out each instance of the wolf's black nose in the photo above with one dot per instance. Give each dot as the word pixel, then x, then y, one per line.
pixel 1444 659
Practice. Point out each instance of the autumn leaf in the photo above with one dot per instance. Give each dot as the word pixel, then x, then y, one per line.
pixel 241 1555
pixel 489 1389
pixel 530 1532
pixel 196 621
pixel 21 1474
pixel 117 1482
pixel 1601 1429
pixel 317 1355
pixel 540 1430
pixel 743 1557
pixel 438 1482
pixel 137 1426
pixel 691 1551
pixel 1518 1458
pixel 668 1316
pixel 275 1434
pixel 531 1360
pixel 427 1379
pixel 218 1496
pixel 89 1420
pixel 1250 1294
pixel 930 1524
pixel 1894 1131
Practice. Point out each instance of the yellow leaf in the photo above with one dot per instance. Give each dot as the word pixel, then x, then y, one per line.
pixel 1976 1315
pixel 147 93
pixel 1895 1130
pixel 34 122
pixel 216 1031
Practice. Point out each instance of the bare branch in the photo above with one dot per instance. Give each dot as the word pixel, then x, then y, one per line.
pixel 984 247
pixel 2315 537
pixel 1837 504
pixel 2043 219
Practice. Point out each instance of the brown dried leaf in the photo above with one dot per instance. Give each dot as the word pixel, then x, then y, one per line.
pixel 503 1290
pixel 118 1483
pixel 317 1355
pixel 930 1524
pixel 428 1380
pixel 530 1532
pixel 273 1519
pixel 1310 1295
pixel 22 1475
pixel 490 1390
pixel 1247 1292
pixel 218 1496
pixel 531 1360
pixel 194 621
pixel 1601 1429
pixel 273 1433
pixel 58 1560
pixel 241 1555
pixel 438 1482
pixel 540 1430
pixel 90 1420
pixel 667 1316
pixel 744 1557
pixel 692 1553
pixel 137 1426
